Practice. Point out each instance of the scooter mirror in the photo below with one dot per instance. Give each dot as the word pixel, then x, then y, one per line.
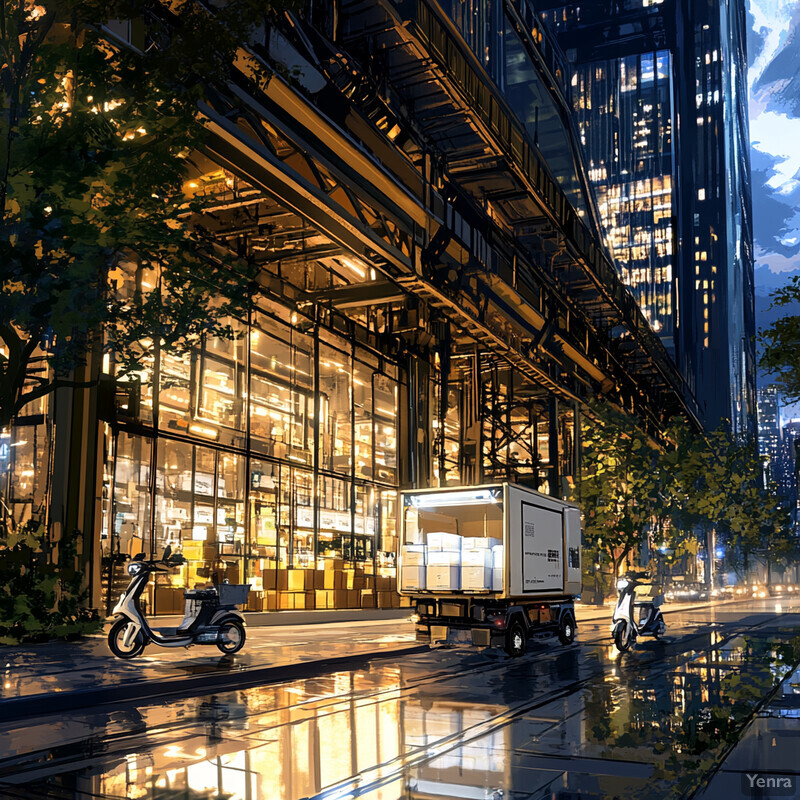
pixel 167 551
pixel 139 557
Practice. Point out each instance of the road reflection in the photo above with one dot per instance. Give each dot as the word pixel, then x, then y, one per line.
pixel 445 724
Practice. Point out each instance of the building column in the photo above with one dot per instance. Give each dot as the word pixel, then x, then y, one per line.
pixel 75 504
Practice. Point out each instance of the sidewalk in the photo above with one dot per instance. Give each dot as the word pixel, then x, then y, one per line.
pixel 58 676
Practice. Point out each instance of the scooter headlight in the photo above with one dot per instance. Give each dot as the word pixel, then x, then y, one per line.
pixel 622 583
pixel 134 568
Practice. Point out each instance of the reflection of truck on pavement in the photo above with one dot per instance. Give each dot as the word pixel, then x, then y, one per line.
pixel 490 565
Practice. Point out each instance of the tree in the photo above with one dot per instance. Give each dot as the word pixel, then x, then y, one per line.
pixel 619 486
pixel 97 236
pixel 781 342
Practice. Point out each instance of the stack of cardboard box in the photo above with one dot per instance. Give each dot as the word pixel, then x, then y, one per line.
pixel 413 560
pixel 443 572
pixel 476 563
pixel 498 567
pixel 330 586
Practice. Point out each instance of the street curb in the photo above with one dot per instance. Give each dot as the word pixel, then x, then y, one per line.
pixel 278 619
pixel 18 708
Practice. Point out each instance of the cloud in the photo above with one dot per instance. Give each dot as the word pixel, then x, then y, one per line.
pixel 776 71
pixel 776 262
pixel 774 53
pixel 778 134
pixel 771 23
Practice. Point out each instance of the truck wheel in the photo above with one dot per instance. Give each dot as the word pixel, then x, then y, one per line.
pixel 516 640
pixel 566 629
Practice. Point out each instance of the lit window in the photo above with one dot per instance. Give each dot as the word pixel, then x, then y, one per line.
pixel 701 194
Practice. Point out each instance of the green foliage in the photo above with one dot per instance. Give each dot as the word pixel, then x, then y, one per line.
pixel 618 490
pixel 631 488
pixel 96 141
pixel 41 597
pixel 781 343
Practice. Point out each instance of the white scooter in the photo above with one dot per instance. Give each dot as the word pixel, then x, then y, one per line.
pixel 634 618
pixel 211 615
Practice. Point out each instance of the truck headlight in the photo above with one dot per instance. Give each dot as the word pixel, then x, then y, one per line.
pixel 415 618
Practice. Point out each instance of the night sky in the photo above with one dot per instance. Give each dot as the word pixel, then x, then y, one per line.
pixel 774 78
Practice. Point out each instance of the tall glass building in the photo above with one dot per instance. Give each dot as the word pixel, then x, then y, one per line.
pixel 769 430
pixel 660 97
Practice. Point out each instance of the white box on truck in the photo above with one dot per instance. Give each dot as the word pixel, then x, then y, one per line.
pixel 540 535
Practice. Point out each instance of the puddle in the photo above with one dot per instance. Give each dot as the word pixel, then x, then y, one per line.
pixel 579 721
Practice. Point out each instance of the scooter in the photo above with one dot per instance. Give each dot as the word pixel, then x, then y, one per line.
pixel 211 616
pixel 634 618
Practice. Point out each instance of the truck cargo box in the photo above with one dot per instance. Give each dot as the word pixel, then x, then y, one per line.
pixel 504 541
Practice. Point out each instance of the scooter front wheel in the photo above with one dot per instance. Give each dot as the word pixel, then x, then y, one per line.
pixel 621 638
pixel 116 640
pixel 231 637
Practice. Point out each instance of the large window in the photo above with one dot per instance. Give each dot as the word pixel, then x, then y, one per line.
pixel 263 465
pixel 335 410
pixel 281 391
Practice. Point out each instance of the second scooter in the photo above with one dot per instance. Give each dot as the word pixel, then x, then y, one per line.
pixel 634 617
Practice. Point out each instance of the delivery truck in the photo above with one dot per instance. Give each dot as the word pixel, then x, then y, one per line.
pixel 492 566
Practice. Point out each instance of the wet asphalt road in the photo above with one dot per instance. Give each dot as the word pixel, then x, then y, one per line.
pixel 563 722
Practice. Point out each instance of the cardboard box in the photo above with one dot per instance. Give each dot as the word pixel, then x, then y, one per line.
pixel 386 599
pixel 269 580
pixel 192 551
pixel 334 563
pixel 354 579
pixel 384 583
pixel 476 578
pixel 497 579
pixel 353 598
pixel 413 579
pixel 296 600
pixel 441 540
pixel 255 601
pixel 368 598
pixel 443 577
pixel 498 557
pixel 323 599
pixel 232 572
pixel 449 558
pixel 414 555
pixel 209 552
pixel 319 578
pixel 270 601
pixel 333 580
pixel 169 600
pixel 477 557
pixel 300 580
pixel 470 542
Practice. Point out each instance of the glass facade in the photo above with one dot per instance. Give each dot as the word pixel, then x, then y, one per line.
pixel 660 95
pixel 624 109
pixel 269 453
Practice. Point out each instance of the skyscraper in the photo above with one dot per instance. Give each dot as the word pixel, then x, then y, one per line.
pixel 769 429
pixel 660 96
pixel 787 478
